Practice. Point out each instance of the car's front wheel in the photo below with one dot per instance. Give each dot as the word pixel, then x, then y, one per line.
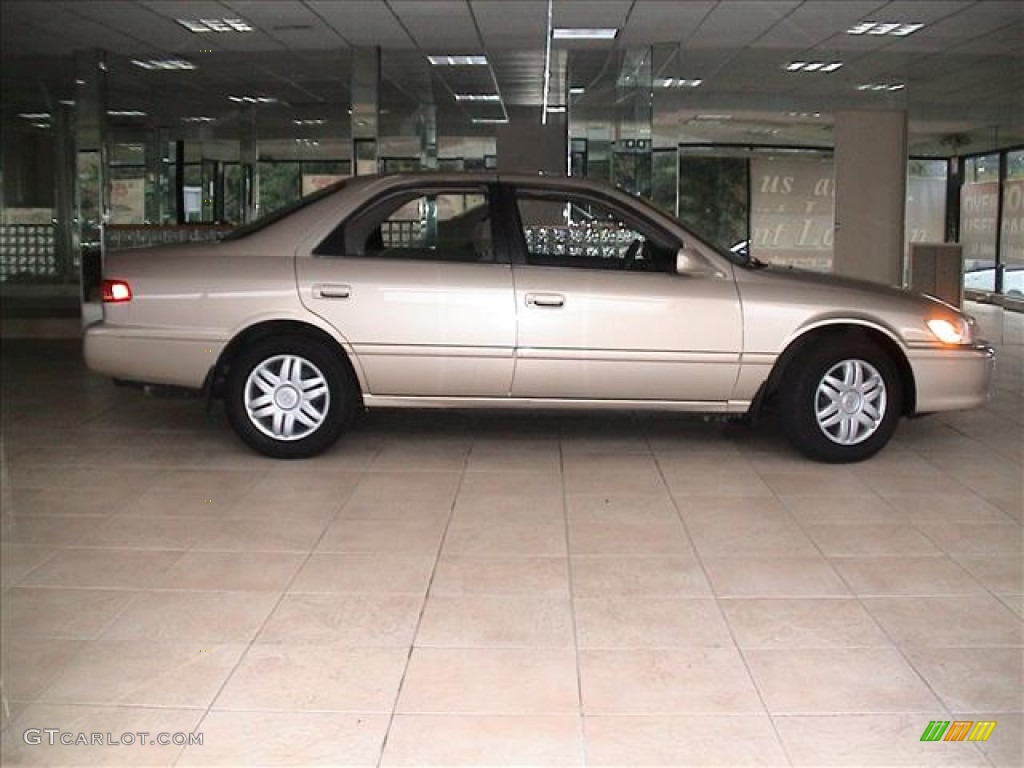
pixel 840 403
pixel 288 397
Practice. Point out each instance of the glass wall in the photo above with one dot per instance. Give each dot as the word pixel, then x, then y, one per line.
pixel 713 198
pixel 979 202
pixel 1011 248
pixel 926 201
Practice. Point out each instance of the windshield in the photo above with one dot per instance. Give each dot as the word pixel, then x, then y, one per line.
pixel 265 221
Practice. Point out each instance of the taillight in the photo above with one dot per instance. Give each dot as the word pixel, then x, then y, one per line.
pixel 116 291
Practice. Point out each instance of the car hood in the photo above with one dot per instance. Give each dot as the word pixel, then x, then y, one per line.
pixel 814 283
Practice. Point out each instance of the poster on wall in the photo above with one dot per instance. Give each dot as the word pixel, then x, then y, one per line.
pixel 311 182
pixel 792 211
pixel 978 207
pixel 128 201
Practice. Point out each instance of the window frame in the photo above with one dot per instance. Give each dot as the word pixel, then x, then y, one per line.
pixel 519 252
pixel 336 244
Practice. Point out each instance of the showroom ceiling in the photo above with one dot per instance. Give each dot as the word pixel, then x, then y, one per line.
pixel 961 75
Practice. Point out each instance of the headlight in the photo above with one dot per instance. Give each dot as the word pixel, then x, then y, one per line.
pixel 951 330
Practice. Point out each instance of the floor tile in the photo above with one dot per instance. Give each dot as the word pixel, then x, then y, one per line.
pixel 869 741
pixel 475 621
pixel 122 723
pixel 947 621
pixel 838 681
pixel 232 571
pixel 621 508
pixel 30 664
pixel 649 622
pixel 490 682
pixel 597 576
pixel 315 677
pixel 53 612
pixel 288 739
pixel 338 572
pixel 145 673
pixel 870 539
pixel 205 617
pixel 782 623
pixel 979 680
pixel 631 538
pixel 773 577
pixel 354 620
pixel 468 740
pixel 103 568
pixel 1006 743
pixel 506 509
pixel 18 560
pixel 999 574
pixel 382 537
pixel 874 576
pixel 681 681
pixel 504 539
pixel 679 741
pixel 457 576
pixel 262 535
pixel 978 540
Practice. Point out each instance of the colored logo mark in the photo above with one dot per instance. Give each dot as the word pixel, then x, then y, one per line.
pixel 958 730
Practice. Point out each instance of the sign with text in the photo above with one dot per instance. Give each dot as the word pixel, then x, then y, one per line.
pixel 978 207
pixel 792 211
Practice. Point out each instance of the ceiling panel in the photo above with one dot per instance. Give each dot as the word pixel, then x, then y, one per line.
pixel 504 30
pixel 814 22
pixel 739 22
pixel 654 21
pixel 362 22
pixel 587 13
pixel 439 26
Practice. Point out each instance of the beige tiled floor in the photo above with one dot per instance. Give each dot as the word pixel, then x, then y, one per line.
pixel 481 589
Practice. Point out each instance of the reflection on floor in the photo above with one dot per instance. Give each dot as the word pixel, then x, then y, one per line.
pixel 528 589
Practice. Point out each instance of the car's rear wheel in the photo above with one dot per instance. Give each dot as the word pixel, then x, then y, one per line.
pixel 840 402
pixel 289 397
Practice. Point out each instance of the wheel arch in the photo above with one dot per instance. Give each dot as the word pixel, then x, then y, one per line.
pixel 217 376
pixel 836 332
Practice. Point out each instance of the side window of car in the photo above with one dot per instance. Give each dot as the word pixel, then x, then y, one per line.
pixel 569 231
pixel 435 226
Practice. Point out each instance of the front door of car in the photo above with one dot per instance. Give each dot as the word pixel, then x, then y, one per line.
pixel 414 284
pixel 603 315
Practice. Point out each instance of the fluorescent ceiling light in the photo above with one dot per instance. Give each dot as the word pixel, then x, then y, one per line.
pixel 310 121
pixel 556 108
pixel 894 28
pixel 881 86
pixel 201 26
pixel 712 118
pixel 125 113
pixel 458 61
pixel 252 99
pixel 199 119
pixel 490 120
pixel 582 33
pixel 477 97
pixel 576 90
pixel 164 64
pixel 675 82
pixel 813 66
pixel 34 115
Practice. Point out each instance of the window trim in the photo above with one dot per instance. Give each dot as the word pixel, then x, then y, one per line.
pixel 335 244
pixel 517 241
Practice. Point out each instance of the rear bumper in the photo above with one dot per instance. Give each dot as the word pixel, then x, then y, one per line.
pixel 952 379
pixel 150 356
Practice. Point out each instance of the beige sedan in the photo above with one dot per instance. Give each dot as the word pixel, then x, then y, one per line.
pixel 502 291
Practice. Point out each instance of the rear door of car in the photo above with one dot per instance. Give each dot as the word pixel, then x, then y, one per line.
pixel 602 313
pixel 417 284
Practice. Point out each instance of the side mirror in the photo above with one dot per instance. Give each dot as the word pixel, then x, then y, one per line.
pixel 692 264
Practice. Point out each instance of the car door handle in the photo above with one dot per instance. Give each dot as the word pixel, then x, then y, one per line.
pixel 545 300
pixel 331 291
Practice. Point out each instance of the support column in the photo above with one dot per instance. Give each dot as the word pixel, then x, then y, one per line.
pixel 157 176
pixel 426 125
pixel 871 193
pixel 93 179
pixel 248 158
pixel 67 231
pixel 524 145
pixel 365 110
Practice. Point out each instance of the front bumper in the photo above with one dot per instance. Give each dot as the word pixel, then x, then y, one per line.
pixel 952 379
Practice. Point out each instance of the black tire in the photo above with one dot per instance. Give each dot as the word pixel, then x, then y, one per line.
pixel 317 393
pixel 865 413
